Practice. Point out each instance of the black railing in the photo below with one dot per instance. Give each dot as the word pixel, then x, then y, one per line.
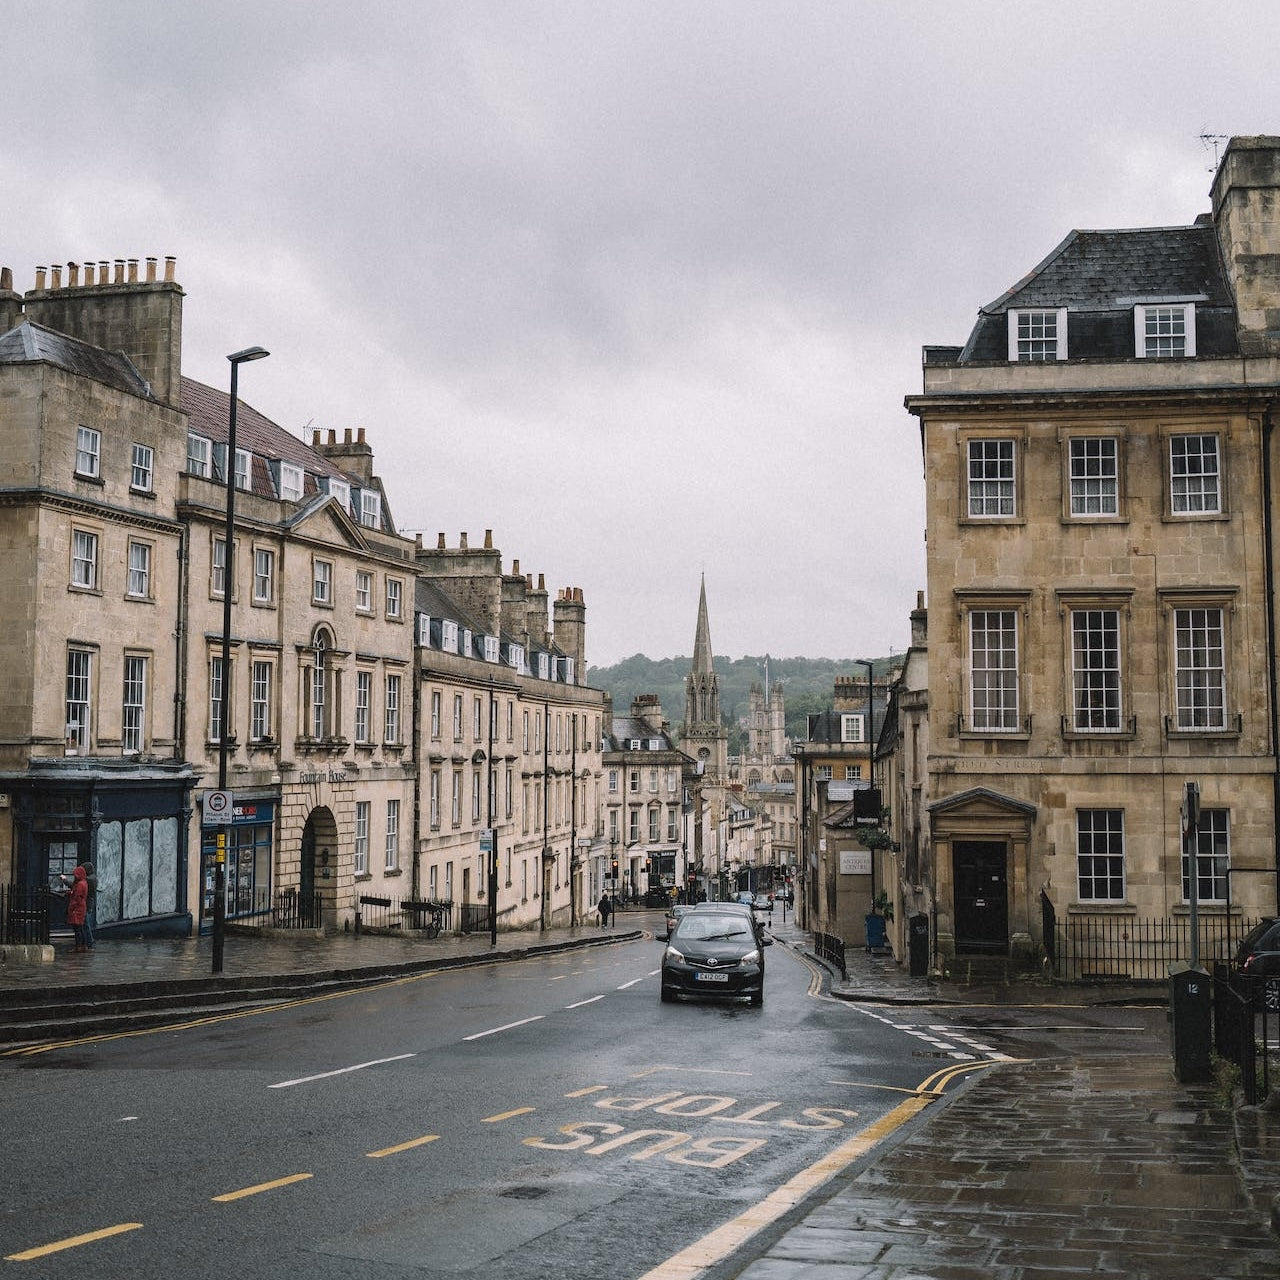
pixel 1243 1015
pixel 388 915
pixel 24 914
pixel 831 949
pixel 293 910
pixel 1088 948
pixel 474 918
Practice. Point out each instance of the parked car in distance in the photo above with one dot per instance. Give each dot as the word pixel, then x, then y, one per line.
pixel 674 912
pixel 744 895
pixel 763 903
pixel 1258 956
pixel 714 952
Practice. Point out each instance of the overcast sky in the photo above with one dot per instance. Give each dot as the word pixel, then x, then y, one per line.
pixel 638 286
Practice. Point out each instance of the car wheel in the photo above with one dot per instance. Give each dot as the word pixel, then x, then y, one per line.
pixel 668 996
pixel 1271 994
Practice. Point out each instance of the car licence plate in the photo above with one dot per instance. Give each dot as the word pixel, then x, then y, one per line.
pixel 712 977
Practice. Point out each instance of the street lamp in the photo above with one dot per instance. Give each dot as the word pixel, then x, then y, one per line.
pixel 228 561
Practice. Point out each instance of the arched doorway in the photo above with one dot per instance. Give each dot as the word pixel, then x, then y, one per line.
pixel 318 870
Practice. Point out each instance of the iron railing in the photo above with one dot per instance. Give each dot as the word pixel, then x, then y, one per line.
pixel 24 914
pixel 831 949
pixel 1090 948
pixel 1243 1020
pixel 388 915
pixel 473 917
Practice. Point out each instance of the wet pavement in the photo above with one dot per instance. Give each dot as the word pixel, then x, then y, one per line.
pixel 1097 1163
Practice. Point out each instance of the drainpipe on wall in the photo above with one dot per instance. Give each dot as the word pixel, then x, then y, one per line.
pixel 1269 571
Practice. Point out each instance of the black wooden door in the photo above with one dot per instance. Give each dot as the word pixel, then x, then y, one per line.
pixel 980 877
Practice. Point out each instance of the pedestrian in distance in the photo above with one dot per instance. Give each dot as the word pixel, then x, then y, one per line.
pixel 78 910
pixel 604 907
pixel 91 909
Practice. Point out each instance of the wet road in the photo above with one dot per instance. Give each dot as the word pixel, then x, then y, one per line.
pixel 517 1121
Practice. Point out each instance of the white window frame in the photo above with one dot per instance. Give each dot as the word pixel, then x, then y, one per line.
pixel 391 721
pixel 994 680
pixel 852 726
pixel 364 696
pixel 448 636
pixel 1029 336
pixel 437 701
pixel 217 702
pixel 393 835
pixel 364 591
pixel 79 699
pixel 434 810
pixel 991 478
pixel 244 469
pixel 340 491
pixel 88 452
pixel 218 568
pixel 133 705
pixel 1097 686
pixel 84 559
pixel 491 648
pixel 139 571
pixel 199 455
pixel 1100 855
pixel 1213 858
pixel 1200 669
pixel 292 482
pixel 142 468
pixel 360 863
pixel 264 575
pixel 370 508
pixel 260 701
pixel 1195 474
pixel 457 717
pixel 395 597
pixel 1093 465
pixel 1168 325
pixel 321 581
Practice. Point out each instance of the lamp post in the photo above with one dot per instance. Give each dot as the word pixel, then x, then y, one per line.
pixel 224 679
pixel 871 754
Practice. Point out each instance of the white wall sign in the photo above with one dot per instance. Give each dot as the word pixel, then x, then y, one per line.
pixel 855 862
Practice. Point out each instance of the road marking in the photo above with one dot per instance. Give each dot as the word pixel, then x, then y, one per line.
pixel 341 1071
pixel 228 1196
pixel 403 1146
pixel 72 1242
pixel 720 1243
pixel 703 1071
pixel 506 1115
pixel 493 1031
pixel 635 982
pixel 590 1089
pixel 580 1003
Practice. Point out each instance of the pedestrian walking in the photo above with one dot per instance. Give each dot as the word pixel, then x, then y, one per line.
pixel 78 909
pixel 604 907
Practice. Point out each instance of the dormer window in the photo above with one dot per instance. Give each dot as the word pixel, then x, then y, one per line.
pixel 1165 331
pixel 1038 335
pixel 515 658
pixel 244 468
pixel 290 482
pixel 424 629
pixel 199 455
pixel 370 508
pixel 449 636
pixel 544 666
pixel 491 648
pixel 340 490
pixel 465 648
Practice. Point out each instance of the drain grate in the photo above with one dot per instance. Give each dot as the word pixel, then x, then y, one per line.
pixel 525 1193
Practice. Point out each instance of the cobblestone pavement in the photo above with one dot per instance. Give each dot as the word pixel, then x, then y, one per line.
pixel 1094 1165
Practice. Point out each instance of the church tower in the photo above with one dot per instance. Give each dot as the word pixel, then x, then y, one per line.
pixel 705 737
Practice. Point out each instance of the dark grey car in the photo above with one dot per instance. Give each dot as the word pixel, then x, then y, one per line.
pixel 714 953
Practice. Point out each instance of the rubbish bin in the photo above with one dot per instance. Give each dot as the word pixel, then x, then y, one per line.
pixel 876 936
pixel 1190 1018
pixel 918 944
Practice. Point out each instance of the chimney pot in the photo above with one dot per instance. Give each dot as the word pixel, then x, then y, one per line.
pixel 103 272
pixel 73 274
pixel 333 436
pixel 515 568
pixel 133 271
pixel 462 542
pixel 40 278
pixel 6 279
pixel 169 264
pixel 488 539
pixel 88 273
pixel 360 436
pixel 315 437
pixel 417 539
pixel 440 542
pixel 151 271
pixel 542 582
pixel 346 436
pixel 57 276
pixel 118 276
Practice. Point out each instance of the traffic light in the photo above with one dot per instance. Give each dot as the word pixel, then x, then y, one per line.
pixel 615 868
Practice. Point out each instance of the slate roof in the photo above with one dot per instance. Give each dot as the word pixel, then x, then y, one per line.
pixel 28 343
pixel 1099 276
pixel 626 728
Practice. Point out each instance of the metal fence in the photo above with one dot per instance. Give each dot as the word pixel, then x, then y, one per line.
pixel 831 949
pixel 474 918
pixel 24 914
pixel 1087 948
pixel 390 915
pixel 1244 1019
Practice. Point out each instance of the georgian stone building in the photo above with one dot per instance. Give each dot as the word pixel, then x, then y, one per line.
pixel 113 494
pixel 1099 458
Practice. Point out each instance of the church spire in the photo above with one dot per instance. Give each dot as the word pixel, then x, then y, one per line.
pixel 702 664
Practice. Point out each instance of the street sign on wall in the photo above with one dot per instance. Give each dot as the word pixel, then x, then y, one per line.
pixel 218 808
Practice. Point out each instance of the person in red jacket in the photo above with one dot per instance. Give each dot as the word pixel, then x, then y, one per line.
pixel 78 909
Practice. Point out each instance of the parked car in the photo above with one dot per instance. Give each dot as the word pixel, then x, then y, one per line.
pixel 714 952
pixel 763 904
pixel 1258 956
pixel 674 912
